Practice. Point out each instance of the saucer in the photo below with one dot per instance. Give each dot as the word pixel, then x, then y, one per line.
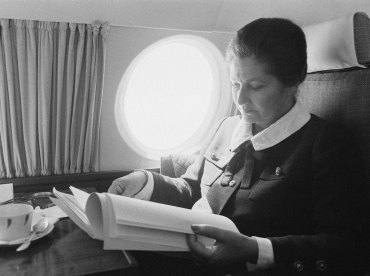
pixel 22 240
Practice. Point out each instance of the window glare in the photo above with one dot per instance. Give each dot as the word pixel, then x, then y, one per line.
pixel 168 95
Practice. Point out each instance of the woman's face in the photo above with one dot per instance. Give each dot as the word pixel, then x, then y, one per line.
pixel 261 98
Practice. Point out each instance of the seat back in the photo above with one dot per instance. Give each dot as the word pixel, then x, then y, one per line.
pixel 342 97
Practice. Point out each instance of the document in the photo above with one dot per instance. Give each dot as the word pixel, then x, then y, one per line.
pixel 125 223
pixel 6 192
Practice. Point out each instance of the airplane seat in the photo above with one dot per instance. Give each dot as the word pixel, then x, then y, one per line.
pixel 337 86
pixel 343 94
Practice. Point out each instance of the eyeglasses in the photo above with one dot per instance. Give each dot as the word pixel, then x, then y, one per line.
pixel 18 200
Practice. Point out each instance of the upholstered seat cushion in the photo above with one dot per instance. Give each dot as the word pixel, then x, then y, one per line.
pixel 343 97
pixel 175 165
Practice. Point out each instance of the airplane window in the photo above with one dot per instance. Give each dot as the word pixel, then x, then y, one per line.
pixel 169 96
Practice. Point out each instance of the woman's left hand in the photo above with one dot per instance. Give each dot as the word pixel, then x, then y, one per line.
pixel 230 247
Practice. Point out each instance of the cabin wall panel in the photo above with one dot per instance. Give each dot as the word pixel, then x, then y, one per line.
pixel 197 15
pixel 235 13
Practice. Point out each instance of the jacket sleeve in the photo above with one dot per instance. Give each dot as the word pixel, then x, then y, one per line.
pixel 340 206
pixel 185 190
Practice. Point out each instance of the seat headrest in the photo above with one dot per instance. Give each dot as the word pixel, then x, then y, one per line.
pixel 340 43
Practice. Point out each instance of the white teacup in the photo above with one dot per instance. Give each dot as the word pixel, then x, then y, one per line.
pixel 15 221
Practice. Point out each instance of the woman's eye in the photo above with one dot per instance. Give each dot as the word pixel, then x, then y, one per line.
pixel 256 87
pixel 235 86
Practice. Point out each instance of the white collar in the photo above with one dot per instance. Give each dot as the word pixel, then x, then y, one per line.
pixel 296 118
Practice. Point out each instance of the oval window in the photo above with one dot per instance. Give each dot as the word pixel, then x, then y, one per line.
pixel 169 96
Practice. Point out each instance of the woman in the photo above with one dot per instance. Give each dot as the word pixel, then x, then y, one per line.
pixel 291 182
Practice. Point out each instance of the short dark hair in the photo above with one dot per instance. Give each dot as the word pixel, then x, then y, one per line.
pixel 279 43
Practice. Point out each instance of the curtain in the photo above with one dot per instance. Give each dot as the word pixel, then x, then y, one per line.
pixel 51 84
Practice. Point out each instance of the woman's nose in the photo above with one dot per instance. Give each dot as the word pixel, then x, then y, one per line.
pixel 242 97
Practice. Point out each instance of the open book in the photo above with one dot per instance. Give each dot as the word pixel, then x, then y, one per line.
pixel 132 224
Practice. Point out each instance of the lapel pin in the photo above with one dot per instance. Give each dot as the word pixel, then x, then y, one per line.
pixel 232 183
pixel 214 156
pixel 278 171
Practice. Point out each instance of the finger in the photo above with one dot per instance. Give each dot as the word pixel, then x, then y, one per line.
pixel 210 231
pixel 133 184
pixel 129 189
pixel 117 186
pixel 119 189
pixel 113 188
pixel 123 186
pixel 198 247
pixel 191 238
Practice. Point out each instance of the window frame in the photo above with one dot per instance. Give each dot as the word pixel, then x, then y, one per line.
pixel 220 105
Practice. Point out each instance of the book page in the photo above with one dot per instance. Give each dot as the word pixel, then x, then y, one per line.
pixel 73 216
pixel 132 224
pixel 145 235
pixel 135 212
pixel 98 212
pixel 141 225
pixel 71 202
pixel 94 212
pixel 81 197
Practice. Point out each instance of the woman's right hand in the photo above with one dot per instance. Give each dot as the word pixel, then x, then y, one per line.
pixel 128 185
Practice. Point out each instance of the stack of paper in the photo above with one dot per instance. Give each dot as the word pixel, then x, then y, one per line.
pixel 74 207
pixel 133 224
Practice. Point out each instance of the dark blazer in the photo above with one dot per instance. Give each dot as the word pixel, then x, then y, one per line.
pixel 314 209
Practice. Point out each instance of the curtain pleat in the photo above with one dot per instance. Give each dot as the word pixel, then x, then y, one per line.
pixel 70 74
pixel 26 56
pixel 51 84
pixel 85 88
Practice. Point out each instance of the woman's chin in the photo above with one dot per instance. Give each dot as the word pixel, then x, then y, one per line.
pixel 248 118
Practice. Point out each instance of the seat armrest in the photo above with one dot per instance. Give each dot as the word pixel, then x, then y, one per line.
pixel 176 165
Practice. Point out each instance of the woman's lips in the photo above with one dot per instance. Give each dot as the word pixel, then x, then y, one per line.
pixel 245 110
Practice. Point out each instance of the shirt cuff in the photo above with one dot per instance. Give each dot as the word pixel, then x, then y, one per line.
pixel 147 191
pixel 265 255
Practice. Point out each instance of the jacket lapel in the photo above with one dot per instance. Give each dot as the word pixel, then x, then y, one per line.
pixel 218 194
pixel 218 153
pixel 222 189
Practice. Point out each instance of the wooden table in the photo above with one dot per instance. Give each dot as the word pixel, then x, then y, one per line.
pixel 67 250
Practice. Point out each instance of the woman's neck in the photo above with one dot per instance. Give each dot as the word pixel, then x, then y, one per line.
pixel 256 129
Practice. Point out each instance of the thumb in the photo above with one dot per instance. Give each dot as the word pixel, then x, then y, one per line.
pixel 209 231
